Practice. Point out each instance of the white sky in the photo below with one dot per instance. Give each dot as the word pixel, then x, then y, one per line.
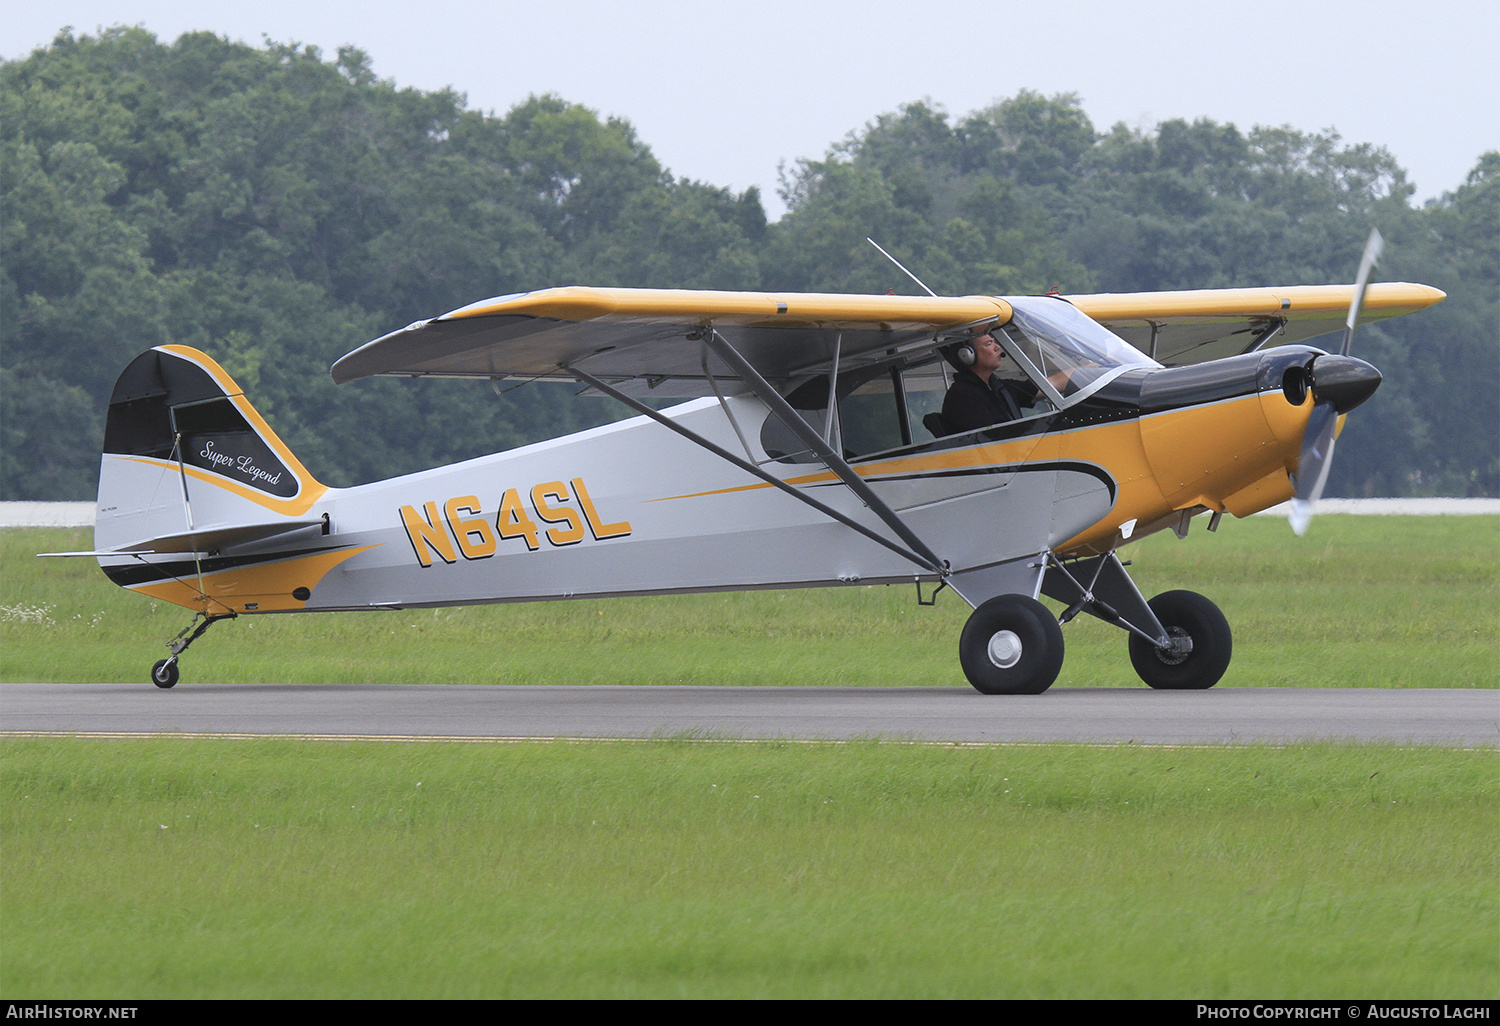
pixel 723 91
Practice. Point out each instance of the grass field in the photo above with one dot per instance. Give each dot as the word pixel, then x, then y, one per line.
pixel 179 868
pixel 1360 602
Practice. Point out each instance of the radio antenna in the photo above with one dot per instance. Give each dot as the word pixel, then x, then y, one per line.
pixel 893 260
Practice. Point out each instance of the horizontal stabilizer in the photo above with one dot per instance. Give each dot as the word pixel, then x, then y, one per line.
pixel 205 540
pixel 96 553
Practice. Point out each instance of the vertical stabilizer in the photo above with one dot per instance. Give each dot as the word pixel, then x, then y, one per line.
pixel 189 466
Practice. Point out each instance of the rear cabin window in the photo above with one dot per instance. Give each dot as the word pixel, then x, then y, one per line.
pixel 878 410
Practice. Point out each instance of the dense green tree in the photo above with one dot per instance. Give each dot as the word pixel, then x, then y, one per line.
pixel 1029 138
pixel 692 236
pixel 1432 427
pixel 925 191
pixel 46 423
pixel 276 209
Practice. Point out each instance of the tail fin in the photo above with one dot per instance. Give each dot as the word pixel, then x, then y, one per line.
pixel 189 465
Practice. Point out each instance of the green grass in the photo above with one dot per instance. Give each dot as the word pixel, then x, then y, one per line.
pixel 1360 602
pixel 177 868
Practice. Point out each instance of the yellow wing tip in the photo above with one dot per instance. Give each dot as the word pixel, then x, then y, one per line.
pixel 1383 299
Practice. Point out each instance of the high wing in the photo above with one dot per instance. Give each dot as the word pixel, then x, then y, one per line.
pixel 651 338
pixel 649 341
pixel 1176 328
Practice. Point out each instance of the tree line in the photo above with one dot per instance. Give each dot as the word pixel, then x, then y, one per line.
pixel 276 208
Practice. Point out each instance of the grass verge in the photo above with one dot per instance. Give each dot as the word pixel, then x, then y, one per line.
pixel 177 868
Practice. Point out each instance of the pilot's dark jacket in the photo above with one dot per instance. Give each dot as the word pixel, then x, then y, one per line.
pixel 971 403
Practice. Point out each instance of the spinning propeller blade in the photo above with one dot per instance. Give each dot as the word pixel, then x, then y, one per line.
pixel 1313 464
pixel 1367 263
pixel 1339 383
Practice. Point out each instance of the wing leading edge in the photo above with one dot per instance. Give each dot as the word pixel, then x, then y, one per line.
pixel 650 341
pixel 1178 328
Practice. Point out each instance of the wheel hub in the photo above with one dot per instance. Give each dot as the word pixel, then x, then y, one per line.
pixel 1178 648
pixel 1005 649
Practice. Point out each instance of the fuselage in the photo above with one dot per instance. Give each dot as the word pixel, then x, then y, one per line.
pixel 632 508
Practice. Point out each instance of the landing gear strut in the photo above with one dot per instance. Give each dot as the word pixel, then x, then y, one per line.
pixel 165 673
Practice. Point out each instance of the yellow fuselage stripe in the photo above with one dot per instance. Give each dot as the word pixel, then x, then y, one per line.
pixel 267 587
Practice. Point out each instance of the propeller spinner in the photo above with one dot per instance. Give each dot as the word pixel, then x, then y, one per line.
pixel 1339 383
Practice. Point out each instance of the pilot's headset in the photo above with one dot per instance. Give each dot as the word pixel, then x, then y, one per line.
pixel 961 355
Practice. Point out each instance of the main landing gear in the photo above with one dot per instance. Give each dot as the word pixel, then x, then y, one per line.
pixel 1200 646
pixel 164 673
pixel 1012 645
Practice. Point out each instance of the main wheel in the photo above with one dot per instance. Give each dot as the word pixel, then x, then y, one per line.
pixel 1201 644
pixel 1011 645
pixel 164 673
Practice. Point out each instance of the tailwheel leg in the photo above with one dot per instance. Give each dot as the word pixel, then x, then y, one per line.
pixel 165 673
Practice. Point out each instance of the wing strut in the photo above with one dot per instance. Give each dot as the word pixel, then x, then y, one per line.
pixel 1273 328
pixel 750 468
pixel 831 422
pixel 724 405
pixel 814 441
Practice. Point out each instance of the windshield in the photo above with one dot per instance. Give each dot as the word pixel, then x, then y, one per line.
pixel 1070 353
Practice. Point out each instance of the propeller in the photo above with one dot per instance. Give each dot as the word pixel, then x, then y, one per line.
pixel 1339 383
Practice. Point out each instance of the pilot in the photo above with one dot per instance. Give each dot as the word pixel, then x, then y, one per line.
pixel 978 397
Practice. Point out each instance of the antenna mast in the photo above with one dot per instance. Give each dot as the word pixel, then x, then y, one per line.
pixel 893 260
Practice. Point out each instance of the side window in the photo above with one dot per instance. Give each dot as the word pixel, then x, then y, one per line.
pixel 927 385
pixel 810 400
pixel 878 411
pixel 870 417
pixel 926 388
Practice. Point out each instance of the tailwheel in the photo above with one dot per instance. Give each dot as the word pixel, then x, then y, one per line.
pixel 1011 645
pixel 1200 646
pixel 164 673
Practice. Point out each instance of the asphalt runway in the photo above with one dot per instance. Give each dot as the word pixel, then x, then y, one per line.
pixel 1462 718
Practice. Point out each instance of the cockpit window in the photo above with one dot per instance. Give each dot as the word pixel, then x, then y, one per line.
pixel 1071 352
pixel 887 405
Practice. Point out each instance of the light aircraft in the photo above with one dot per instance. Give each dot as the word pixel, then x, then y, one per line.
pixel 809 451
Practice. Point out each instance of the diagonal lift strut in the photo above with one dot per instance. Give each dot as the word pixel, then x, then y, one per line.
pixel 815 442
pixel 922 557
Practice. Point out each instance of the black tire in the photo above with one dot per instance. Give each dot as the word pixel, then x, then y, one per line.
pixel 1185 613
pixel 1011 645
pixel 164 673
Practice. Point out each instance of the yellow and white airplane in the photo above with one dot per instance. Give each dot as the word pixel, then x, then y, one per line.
pixel 810 451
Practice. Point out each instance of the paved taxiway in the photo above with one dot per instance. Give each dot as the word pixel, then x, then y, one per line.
pixel 1100 715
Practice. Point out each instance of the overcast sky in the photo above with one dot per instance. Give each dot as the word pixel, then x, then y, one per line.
pixel 726 91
